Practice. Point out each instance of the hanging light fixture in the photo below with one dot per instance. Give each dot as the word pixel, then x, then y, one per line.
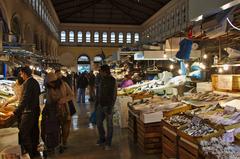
pixel 220 70
pixel 205 56
pixel 171 67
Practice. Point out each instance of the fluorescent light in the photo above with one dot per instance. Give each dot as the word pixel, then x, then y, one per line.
pixel 198 18
pixel 180 71
pixel 230 4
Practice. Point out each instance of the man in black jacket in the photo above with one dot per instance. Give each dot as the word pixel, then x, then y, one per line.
pixel 106 97
pixel 82 84
pixel 28 112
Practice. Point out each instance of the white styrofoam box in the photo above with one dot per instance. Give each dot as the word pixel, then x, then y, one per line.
pixel 122 107
pixel 151 117
pixel 204 86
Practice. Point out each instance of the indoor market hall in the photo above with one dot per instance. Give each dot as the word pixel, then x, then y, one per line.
pixel 119 79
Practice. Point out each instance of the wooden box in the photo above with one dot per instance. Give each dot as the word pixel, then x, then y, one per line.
pixel 188 146
pixel 169 140
pixel 132 126
pixel 149 137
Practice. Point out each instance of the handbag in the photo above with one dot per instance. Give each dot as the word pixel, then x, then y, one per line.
pixel 72 108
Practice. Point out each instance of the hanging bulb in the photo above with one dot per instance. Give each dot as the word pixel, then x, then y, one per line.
pixel 220 70
pixel 180 71
pixel 205 56
pixel 186 65
pixel 171 67
pixel 165 56
pixel 225 67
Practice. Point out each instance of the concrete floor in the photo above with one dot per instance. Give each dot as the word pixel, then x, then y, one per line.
pixel 82 141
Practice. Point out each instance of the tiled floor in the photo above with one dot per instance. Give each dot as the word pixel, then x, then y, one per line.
pixel 82 142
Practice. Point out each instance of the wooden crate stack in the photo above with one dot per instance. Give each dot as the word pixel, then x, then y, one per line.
pixel 132 127
pixel 169 140
pixel 149 137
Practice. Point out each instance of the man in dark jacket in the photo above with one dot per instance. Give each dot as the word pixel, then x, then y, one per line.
pixel 106 97
pixel 82 84
pixel 28 112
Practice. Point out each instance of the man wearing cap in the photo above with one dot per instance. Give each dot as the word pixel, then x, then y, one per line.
pixel 106 97
pixel 28 112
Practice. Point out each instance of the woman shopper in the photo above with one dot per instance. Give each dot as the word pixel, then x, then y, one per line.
pixel 56 113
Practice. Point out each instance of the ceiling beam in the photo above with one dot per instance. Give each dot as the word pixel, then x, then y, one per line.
pixel 142 4
pixel 79 10
pixel 141 14
pixel 136 19
pixel 68 8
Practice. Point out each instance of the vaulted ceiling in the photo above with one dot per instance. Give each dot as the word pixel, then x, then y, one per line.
pixel 133 12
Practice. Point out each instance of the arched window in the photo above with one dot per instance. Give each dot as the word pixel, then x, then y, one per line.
pixel 136 37
pixel 80 38
pixel 63 36
pixel 120 38
pixel 104 37
pixel 112 37
pixel 96 37
pixel 129 40
pixel 71 36
pixel 88 37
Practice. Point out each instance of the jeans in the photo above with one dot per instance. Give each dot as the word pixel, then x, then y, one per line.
pixel 101 115
pixel 81 95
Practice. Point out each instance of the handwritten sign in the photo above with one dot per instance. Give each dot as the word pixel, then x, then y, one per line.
pixel 225 82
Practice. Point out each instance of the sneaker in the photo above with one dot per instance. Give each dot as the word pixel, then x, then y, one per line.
pixel 100 143
pixel 90 126
pixel 107 148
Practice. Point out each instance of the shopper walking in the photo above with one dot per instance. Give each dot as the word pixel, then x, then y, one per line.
pixel 82 84
pixel 51 115
pixel 65 95
pixel 28 111
pixel 106 97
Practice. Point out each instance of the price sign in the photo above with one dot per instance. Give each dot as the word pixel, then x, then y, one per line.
pixel 228 136
pixel 225 82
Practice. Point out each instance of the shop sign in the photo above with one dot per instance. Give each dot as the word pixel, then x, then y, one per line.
pixel 225 82
pixel 139 56
pixel 4 58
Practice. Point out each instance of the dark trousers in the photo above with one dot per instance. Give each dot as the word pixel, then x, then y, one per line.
pixel 81 95
pixel 29 133
pixel 101 115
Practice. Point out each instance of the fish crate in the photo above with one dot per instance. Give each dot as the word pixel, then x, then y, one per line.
pixel 169 140
pixel 188 146
pixel 149 137
pixel 132 126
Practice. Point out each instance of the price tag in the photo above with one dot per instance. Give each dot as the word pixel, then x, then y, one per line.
pixel 228 136
pixel 196 120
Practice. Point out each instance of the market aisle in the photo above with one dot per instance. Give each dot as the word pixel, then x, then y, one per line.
pixel 82 142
